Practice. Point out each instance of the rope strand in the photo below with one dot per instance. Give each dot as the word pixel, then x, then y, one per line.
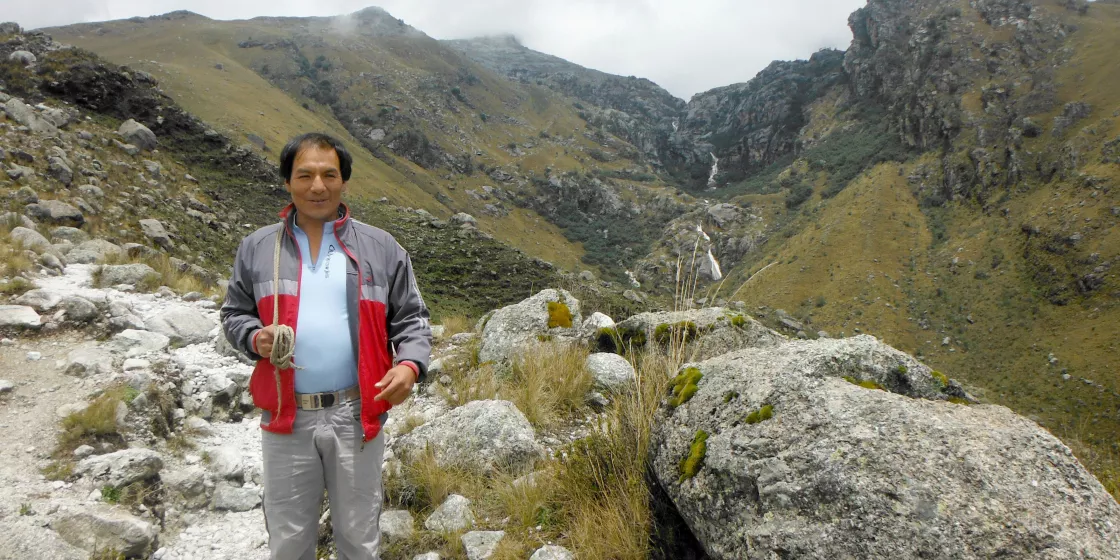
pixel 283 336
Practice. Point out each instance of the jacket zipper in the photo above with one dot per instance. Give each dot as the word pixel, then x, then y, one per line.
pixel 358 343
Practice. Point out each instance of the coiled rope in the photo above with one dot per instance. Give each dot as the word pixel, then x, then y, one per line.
pixel 284 337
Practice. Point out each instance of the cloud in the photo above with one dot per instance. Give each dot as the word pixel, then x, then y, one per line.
pixel 685 46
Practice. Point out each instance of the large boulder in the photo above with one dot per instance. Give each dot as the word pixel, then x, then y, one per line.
pixel 94 250
pixel 98 531
pixel 550 312
pixel 228 497
pixel 121 468
pixel 396 525
pixel 138 135
pixel 133 343
pixel 31 239
pixel 770 452
pixel 710 332
pixel 19 316
pixel 56 212
pixel 481 436
pixel 25 114
pixel 183 325
pixel 67 234
pixel 133 274
pixel 41 300
pixel 611 371
pixel 454 514
pixel 79 309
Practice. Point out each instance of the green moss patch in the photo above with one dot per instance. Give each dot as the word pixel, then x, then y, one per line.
pixel 761 415
pixel 685 386
pixel 960 400
pixel 691 464
pixel 730 396
pixel 739 321
pixel 940 377
pixel 865 383
pixel 559 315
pixel 683 332
pixel 620 340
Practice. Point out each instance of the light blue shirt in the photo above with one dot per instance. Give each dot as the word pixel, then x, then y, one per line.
pixel 323 346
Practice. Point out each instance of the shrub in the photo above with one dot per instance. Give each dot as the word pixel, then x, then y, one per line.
pixel 798 195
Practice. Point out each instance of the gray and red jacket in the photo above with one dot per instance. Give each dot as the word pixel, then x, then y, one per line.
pixel 385 308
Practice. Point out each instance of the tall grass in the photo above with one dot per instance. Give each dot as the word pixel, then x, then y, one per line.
pixel 549 382
pixel 169 275
pixel 455 324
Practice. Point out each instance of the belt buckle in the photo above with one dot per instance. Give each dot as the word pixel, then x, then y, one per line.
pixel 327 400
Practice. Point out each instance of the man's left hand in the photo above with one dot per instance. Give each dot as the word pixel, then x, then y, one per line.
pixel 396 385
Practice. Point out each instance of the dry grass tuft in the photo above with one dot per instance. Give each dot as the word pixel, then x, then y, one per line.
pixel 96 423
pixel 549 383
pixel 455 324
pixel 169 275
pixel 423 484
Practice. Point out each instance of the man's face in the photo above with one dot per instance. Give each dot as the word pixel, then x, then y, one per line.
pixel 316 184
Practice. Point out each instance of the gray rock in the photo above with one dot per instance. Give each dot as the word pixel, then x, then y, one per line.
pixel 480 436
pixel 611 371
pixel 396 525
pixel 228 497
pixel 88 359
pixel 552 552
pixel 25 115
pixel 60 171
pixel 133 274
pixel 52 262
pixel 68 234
pixel 6 386
pixel 721 330
pixel 226 463
pixel 26 58
pixel 464 218
pixel 91 191
pixel 633 296
pixel 121 468
pixel 102 530
pixel 842 471
pixel 19 317
pixel 454 514
pixel 94 250
pixel 157 233
pixel 134 343
pixel 26 195
pixel 138 135
pixel 83 451
pixel 192 488
pixel 587 276
pixel 481 545
pixel 30 239
pixel 56 212
pixel 154 168
pixel 513 326
pixel 79 309
pixel 129 149
pixel 183 325
pixel 595 322
pixel 14 219
pixel 427 556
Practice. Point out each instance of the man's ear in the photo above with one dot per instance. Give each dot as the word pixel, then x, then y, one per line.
pixel 288 186
pixel 345 186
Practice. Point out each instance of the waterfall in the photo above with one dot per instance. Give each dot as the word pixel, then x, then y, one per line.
pixel 715 169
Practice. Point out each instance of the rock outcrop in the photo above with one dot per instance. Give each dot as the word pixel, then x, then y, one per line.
pixel 849 448
pixel 548 313
pixel 481 436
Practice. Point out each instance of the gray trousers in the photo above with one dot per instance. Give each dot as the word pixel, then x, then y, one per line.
pixel 324 450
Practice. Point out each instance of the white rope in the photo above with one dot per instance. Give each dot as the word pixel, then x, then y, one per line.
pixel 284 337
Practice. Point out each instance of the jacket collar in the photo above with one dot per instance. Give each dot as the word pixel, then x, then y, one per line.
pixel 289 216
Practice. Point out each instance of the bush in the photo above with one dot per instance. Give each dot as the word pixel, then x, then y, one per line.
pixel 798 195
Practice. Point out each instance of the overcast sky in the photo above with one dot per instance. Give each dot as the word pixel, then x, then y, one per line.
pixel 686 46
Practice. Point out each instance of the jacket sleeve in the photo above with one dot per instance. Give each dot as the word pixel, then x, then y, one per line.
pixel 239 310
pixel 409 329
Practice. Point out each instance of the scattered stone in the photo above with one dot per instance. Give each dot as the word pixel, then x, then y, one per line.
pixel 34 356
pixel 183 325
pixel 480 436
pixel 587 276
pixel 463 218
pixel 132 274
pixel 138 135
pixel 60 171
pixel 88 359
pixel 26 195
pixel 14 218
pixel 226 463
pixel 611 371
pixel 83 451
pixel 121 468
pixel 234 498
pixel 26 58
pixel 454 514
pixel 396 525
pixel 6 386
pixel 426 555
pixel 595 322
pixel 157 233
pixel 154 168
pixel 79 310
pixel 69 235
pixel 25 115
pixel 19 317
pixel 552 552
pixel 481 545
pixel 134 343
pixel 99 530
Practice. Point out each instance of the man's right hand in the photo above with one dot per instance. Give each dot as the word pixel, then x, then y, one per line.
pixel 263 341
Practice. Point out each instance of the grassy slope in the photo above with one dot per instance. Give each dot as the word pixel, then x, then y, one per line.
pixel 182 54
pixel 871 258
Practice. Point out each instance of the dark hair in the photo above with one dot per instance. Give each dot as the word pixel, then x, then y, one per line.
pixel 318 140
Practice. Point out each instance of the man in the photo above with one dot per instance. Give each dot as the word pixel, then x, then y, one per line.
pixel 346 292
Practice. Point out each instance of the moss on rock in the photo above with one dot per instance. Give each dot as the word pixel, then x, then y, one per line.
pixel 559 315
pixel 691 464
pixel 685 386
pixel 761 415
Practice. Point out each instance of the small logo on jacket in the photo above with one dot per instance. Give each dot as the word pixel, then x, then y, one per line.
pixel 327 264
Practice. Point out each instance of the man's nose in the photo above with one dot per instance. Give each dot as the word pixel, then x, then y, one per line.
pixel 317 183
